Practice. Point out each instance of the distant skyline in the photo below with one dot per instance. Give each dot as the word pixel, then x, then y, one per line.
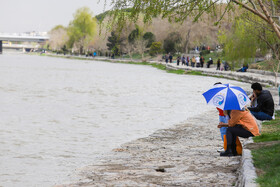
pixel 41 16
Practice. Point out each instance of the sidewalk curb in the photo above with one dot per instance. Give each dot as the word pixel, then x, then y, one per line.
pixel 247 175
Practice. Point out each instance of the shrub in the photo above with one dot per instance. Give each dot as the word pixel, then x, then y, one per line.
pixel 155 48
pixel 204 52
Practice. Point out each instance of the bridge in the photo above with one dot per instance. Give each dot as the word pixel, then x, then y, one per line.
pixel 21 38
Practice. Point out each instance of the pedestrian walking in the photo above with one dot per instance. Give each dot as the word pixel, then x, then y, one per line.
pixel 197 59
pixel 201 61
pixel 183 60
pixel 178 60
pixel 170 58
pixel 218 64
pixel 193 61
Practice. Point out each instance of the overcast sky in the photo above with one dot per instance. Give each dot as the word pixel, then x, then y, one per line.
pixel 41 15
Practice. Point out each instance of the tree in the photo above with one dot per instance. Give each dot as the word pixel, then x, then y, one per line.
pixel 155 48
pixel 250 35
pixel 141 46
pixel 172 43
pixel 138 41
pixel 177 11
pixel 82 29
pixel 150 38
pixel 192 34
pixel 58 37
pixel 100 41
pixel 114 42
pixel 134 35
pixel 129 48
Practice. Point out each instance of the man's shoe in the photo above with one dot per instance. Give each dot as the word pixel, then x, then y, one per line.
pixel 228 153
pixel 220 150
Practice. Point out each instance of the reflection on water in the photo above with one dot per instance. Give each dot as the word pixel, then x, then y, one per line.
pixel 58 115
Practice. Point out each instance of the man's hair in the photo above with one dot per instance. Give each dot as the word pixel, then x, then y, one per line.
pixel 256 86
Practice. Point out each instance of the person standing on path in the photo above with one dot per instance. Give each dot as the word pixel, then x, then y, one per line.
pixel 201 61
pixel 170 58
pixel 218 64
pixel 183 60
pixel 197 59
pixel 193 61
pixel 178 60
pixel 187 60
pixel 166 58
pixel 265 104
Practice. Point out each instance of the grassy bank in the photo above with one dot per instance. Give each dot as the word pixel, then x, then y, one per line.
pixel 270 130
pixel 155 65
pixel 266 156
pixel 158 66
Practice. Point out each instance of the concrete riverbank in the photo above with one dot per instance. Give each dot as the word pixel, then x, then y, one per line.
pixel 185 155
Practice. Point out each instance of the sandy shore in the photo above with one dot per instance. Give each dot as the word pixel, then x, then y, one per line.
pixel 185 155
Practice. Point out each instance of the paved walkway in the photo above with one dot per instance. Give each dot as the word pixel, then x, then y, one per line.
pixel 263 77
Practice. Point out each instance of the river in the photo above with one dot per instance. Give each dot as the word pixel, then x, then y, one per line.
pixel 58 115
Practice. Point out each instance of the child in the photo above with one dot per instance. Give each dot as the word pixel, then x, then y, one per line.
pixel 223 117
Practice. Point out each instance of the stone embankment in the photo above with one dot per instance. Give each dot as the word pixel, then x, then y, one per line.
pixel 263 77
pixel 185 155
pixel 247 171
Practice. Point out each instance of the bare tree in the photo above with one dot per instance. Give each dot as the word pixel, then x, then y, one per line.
pixel 141 46
pixel 58 38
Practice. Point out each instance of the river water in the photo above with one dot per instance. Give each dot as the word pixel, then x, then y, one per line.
pixel 58 115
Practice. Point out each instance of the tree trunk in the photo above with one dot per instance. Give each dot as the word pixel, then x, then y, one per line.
pixel 276 71
pixel 81 50
pixel 186 46
pixel 142 57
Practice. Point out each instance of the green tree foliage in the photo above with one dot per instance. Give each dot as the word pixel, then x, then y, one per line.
pixel 57 27
pixel 134 35
pixel 114 42
pixel 82 29
pixel 150 38
pixel 251 35
pixel 179 10
pixel 241 43
pixel 155 48
pixel 137 34
pixel 172 43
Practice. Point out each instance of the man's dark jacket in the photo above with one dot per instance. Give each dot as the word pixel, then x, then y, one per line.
pixel 265 103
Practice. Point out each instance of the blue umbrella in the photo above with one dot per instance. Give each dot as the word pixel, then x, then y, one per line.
pixel 227 97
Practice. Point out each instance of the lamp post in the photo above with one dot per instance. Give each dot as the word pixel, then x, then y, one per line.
pixel 0 46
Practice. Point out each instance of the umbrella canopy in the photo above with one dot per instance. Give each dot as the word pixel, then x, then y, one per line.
pixel 227 97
